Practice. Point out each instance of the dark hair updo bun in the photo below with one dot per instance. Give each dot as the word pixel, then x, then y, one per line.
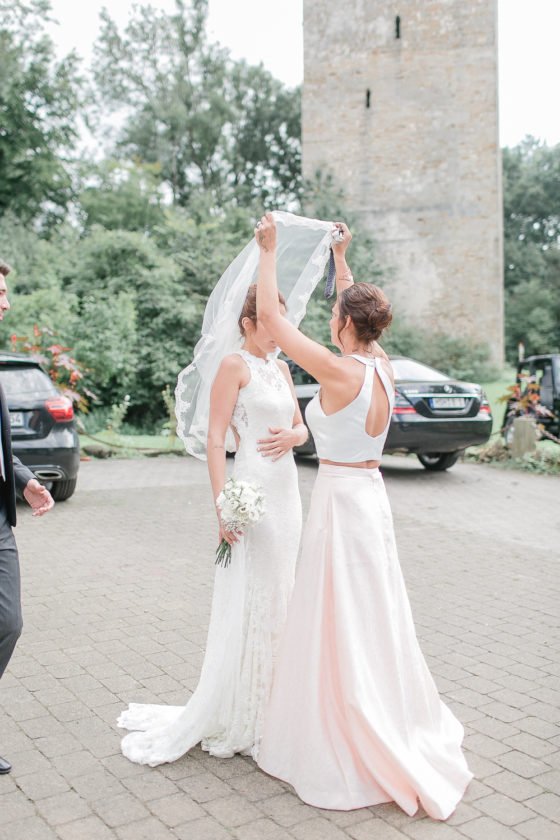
pixel 250 307
pixel 369 309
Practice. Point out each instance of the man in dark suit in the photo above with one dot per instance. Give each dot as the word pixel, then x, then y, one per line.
pixel 13 476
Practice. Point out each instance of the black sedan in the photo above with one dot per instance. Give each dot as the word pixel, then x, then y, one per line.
pixel 435 416
pixel 44 435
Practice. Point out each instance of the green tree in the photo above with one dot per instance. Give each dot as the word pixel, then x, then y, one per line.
pixel 121 195
pixel 105 339
pixel 531 177
pixel 531 174
pixel 533 316
pixel 263 145
pixel 52 308
pixel 130 307
pixel 38 103
pixel 323 198
pixel 213 125
pixel 203 243
pixel 37 263
pixel 137 319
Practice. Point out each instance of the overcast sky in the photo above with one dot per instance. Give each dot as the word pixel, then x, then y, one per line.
pixel 272 33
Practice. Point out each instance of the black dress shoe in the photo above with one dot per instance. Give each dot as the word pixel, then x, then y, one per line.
pixel 5 766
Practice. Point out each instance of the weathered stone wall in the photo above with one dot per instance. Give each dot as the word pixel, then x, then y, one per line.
pixel 422 162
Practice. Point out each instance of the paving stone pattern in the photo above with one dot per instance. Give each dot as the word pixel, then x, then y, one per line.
pixel 117 584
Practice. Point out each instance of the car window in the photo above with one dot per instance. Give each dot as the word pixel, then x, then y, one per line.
pixel 407 370
pixel 556 372
pixel 20 381
pixel 544 373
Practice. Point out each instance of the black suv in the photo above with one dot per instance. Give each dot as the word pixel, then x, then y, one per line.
pixel 541 375
pixel 44 432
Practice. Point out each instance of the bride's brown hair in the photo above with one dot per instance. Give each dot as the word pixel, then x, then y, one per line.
pixel 250 307
pixel 369 309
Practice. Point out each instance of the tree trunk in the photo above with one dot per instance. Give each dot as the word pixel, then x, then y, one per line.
pixel 524 437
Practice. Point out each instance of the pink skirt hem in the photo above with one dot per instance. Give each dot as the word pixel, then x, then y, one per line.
pixel 355 718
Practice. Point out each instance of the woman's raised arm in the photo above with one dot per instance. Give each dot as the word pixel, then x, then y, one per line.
pixel 310 355
pixel 344 277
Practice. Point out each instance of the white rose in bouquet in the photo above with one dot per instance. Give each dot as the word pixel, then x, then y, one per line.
pixel 241 504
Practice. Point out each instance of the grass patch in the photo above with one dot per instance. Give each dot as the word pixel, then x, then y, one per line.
pixel 126 446
pixel 496 389
pixel 546 458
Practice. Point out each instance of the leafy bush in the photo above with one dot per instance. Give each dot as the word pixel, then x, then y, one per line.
pixel 96 420
pixel 64 370
pixel 545 460
pixel 117 414
pixel 130 306
pixel 453 355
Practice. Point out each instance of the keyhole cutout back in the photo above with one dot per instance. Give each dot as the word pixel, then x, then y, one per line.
pixel 357 431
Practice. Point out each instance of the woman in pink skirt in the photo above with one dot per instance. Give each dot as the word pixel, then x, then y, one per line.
pixel 355 718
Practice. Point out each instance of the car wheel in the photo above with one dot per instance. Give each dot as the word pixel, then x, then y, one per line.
pixel 438 461
pixel 62 490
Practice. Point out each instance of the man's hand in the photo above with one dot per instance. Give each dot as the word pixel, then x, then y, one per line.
pixel 38 497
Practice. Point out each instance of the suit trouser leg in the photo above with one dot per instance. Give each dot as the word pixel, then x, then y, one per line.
pixel 10 591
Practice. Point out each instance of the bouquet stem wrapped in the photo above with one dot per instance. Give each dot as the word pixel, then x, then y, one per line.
pixel 241 505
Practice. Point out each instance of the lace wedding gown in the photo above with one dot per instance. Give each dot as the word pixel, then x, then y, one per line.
pixel 249 603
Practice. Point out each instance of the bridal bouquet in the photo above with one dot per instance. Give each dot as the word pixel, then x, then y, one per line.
pixel 241 504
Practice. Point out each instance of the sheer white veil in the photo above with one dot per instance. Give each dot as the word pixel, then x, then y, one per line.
pixel 302 252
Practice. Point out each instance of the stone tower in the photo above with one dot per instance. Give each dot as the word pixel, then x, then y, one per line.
pixel 400 104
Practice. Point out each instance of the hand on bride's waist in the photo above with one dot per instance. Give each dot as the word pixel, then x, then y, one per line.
pixel 280 441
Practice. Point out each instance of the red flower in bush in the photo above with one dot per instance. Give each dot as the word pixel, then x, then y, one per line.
pixel 63 369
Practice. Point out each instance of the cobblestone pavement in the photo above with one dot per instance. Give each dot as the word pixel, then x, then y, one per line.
pixel 117 586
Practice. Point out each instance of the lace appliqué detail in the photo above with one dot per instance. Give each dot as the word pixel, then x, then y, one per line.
pixel 264 370
pixel 239 418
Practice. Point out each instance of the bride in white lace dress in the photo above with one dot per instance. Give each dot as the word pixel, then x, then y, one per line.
pixel 254 395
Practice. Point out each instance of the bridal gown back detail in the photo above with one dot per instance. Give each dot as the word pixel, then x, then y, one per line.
pixel 249 603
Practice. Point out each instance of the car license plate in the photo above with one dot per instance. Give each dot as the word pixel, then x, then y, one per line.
pixel 16 419
pixel 448 402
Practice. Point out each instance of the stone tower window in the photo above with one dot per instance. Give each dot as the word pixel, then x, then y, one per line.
pixel 368 98
pixel 398 26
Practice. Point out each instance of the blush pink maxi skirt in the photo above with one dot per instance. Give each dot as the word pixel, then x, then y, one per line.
pixel 355 718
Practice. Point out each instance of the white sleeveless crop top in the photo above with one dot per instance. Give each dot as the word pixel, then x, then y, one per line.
pixel 342 436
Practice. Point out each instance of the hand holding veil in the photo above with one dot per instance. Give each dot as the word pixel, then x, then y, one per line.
pixel 303 249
